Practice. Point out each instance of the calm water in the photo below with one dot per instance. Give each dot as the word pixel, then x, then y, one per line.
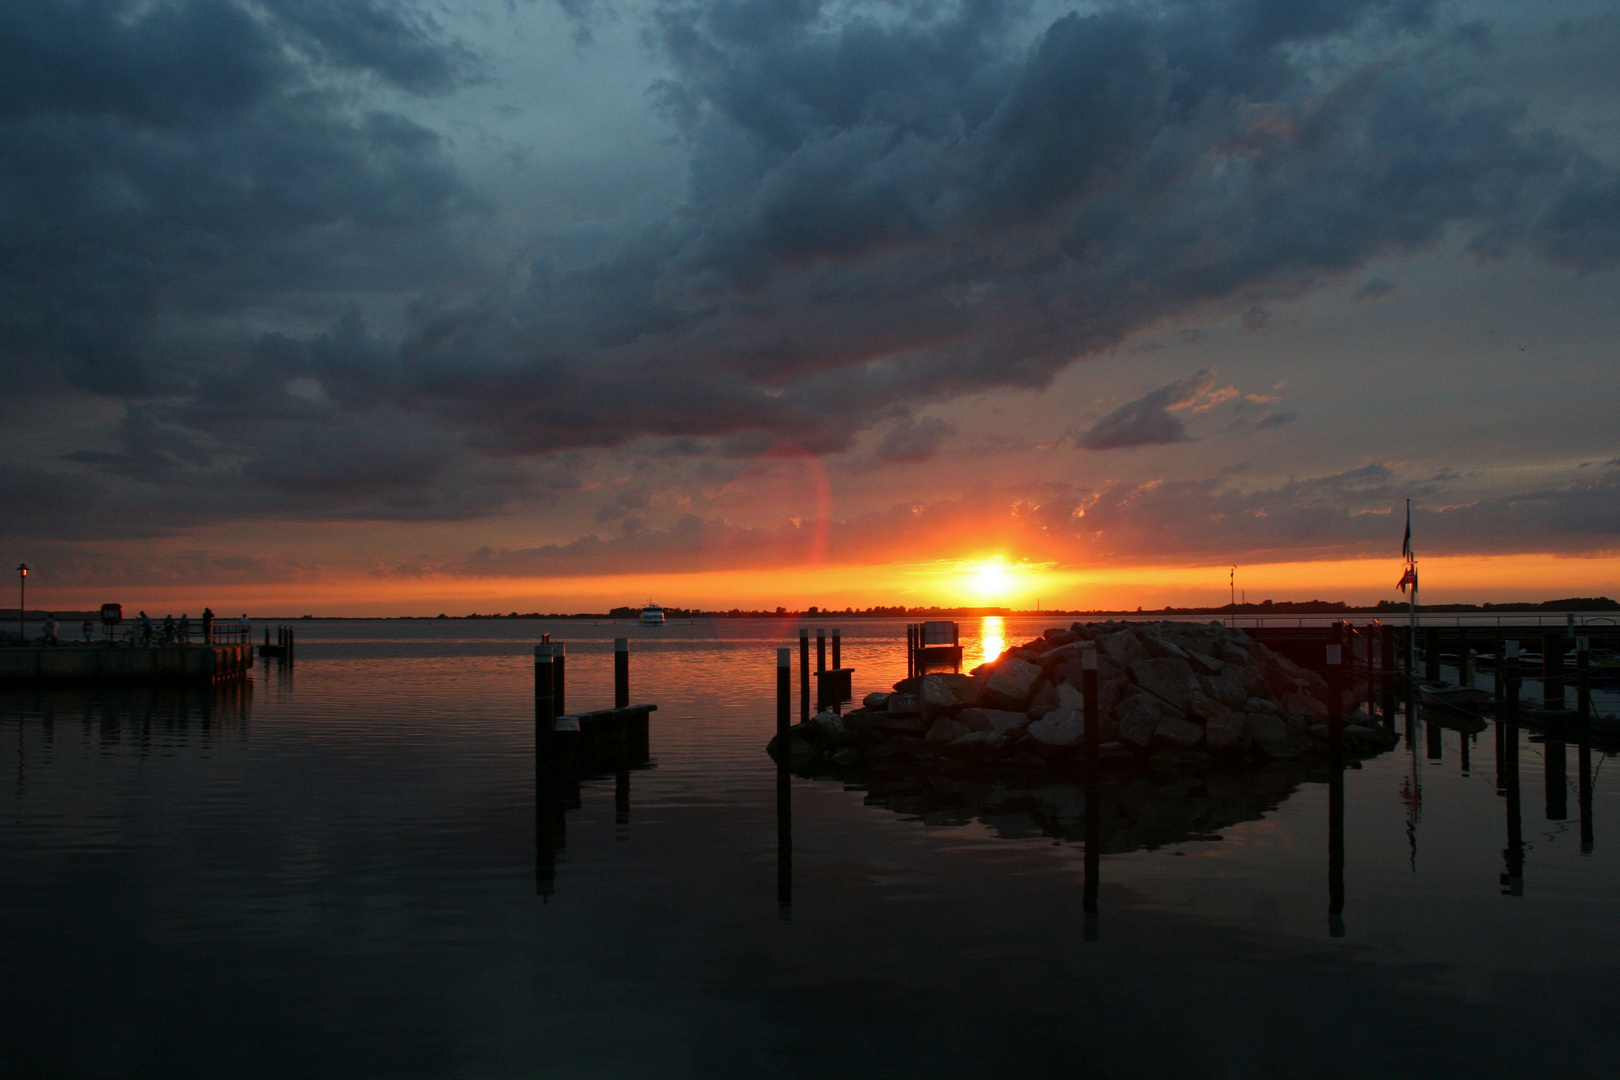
pixel 333 873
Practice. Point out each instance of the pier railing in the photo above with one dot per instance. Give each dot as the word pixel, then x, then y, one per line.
pixel 232 632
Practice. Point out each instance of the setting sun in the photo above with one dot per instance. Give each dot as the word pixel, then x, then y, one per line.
pixel 992 579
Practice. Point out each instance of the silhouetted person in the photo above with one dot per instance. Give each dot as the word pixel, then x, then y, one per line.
pixel 146 629
pixel 185 629
pixel 49 637
pixel 89 631
pixel 168 629
pixel 208 626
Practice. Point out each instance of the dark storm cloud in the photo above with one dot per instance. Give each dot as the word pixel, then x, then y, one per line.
pixel 911 442
pixel 1147 420
pixel 886 205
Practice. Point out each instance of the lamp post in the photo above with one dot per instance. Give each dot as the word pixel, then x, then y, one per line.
pixel 22 599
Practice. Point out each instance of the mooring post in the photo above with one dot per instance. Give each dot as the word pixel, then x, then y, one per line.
pixel 784 697
pixel 621 673
pixel 559 677
pixel 838 648
pixel 911 650
pixel 821 649
pixel 1583 679
pixel 545 704
pixel 1465 666
pixel 804 673
pixel 1498 670
pixel 1552 671
pixel 1088 696
pixel 1511 677
pixel 1335 681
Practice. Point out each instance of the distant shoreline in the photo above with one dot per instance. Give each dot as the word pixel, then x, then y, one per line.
pixel 1306 607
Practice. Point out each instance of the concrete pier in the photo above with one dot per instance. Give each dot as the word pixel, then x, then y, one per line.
pixel 159 663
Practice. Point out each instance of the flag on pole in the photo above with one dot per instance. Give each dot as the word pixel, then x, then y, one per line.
pixel 1406 541
pixel 1408 578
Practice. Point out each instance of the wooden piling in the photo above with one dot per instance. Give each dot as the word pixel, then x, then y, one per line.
pixel 1552 670
pixel 1335 681
pixel 838 648
pixel 784 698
pixel 911 650
pixel 1583 761
pixel 1511 678
pixel 559 677
pixel 1583 678
pixel 1088 694
pixel 1465 666
pixel 621 673
pixel 1498 670
pixel 804 673
pixel 545 704
pixel 821 649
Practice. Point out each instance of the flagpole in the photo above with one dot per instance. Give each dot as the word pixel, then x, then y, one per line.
pixel 1411 570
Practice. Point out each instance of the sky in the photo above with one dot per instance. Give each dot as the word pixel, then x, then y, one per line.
pixel 372 307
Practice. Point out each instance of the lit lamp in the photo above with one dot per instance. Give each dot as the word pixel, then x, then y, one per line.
pixel 22 598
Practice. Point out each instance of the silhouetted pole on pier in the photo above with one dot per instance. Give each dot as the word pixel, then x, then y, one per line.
pixel 804 673
pixel 545 701
pixel 1386 672
pixel 838 648
pixel 547 813
pixel 821 651
pixel 784 784
pixel 1511 679
pixel 1431 654
pixel 1552 671
pixel 621 673
pixel 1499 671
pixel 1335 680
pixel 559 677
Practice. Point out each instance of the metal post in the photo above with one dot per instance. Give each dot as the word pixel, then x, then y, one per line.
pixel 621 673
pixel 838 648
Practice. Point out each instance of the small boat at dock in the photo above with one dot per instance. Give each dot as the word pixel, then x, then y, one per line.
pixel 1447 695
pixel 652 615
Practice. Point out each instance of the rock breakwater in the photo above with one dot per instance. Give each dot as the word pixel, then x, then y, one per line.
pixel 1166 690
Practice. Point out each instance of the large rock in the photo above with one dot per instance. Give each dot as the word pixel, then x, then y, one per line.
pixel 1138 719
pixel 1204 665
pixel 946 730
pixel 1201 708
pixel 1060 729
pixel 1070 697
pixel 1305 705
pixel 832 726
pixel 1160 647
pixel 944 695
pixel 903 705
pixel 1002 720
pixel 1274 736
pixel 975 744
pixel 877 700
pixel 1228 735
pixel 1168 679
pixel 1044 701
pixel 1178 734
pixel 1011 686
pixel 1123 647
pixel 1230 688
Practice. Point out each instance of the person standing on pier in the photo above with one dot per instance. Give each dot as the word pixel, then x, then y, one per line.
pixel 146 629
pixel 168 629
pixel 185 629
pixel 49 637
pixel 208 626
pixel 89 631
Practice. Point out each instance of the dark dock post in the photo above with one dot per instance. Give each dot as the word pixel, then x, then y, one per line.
pixel 1088 694
pixel 1511 678
pixel 804 673
pixel 1498 670
pixel 1431 655
pixel 1336 841
pixel 838 648
pixel 621 673
pixel 911 650
pixel 1465 666
pixel 1583 680
pixel 1552 671
pixel 821 650
pixel 784 784
pixel 1583 761
pixel 1335 681
pixel 1434 734
pixel 545 703
pixel 1554 773
pixel 784 696
pixel 1513 878
pixel 559 677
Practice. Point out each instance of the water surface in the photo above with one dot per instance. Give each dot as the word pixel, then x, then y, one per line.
pixel 332 872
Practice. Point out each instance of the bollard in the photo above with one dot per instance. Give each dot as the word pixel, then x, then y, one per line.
pixel 559 676
pixel 821 649
pixel 784 698
pixel 621 673
pixel 838 648
pixel 804 673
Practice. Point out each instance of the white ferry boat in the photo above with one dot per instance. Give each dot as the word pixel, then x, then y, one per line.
pixel 652 615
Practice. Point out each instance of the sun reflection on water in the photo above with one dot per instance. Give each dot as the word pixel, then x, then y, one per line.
pixel 992 639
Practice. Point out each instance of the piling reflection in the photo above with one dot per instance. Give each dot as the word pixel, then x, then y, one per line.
pixel 784 841
pixel 138 717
